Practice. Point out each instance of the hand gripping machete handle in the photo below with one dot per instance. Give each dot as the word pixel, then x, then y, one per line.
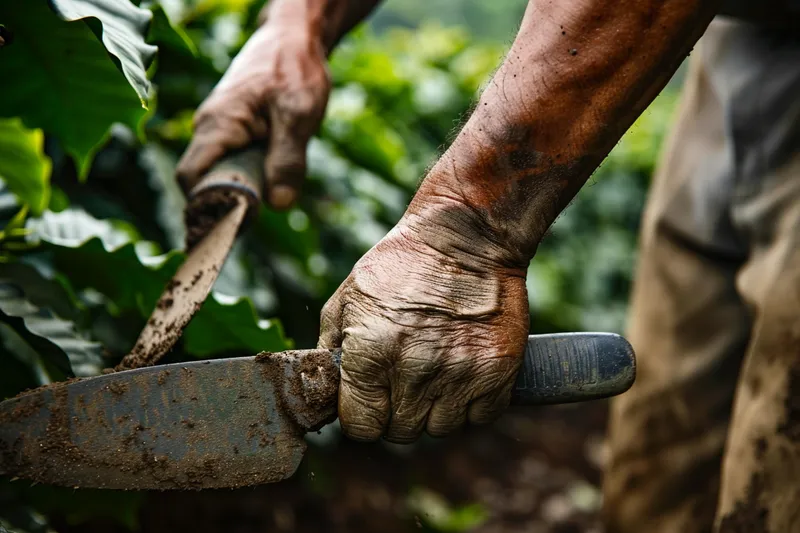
pixel 237 175
pixel 568 367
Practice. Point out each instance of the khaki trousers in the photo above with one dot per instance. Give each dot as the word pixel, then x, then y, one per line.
pixel 708 438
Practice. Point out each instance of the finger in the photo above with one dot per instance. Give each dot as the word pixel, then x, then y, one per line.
pixel 363 399
pixel 293 120
pixel 448 414
pixel 488 407
pixel 213 137
pixel 330 329
pixel 364 387
pixel 411 398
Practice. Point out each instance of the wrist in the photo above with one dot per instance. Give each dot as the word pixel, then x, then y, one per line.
pixel 305 17
pixel 444 220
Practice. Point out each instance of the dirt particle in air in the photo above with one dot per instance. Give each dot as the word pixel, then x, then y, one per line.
pixel 573 51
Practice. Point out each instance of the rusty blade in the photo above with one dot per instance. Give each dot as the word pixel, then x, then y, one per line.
pixel 207 424
pixel 186 291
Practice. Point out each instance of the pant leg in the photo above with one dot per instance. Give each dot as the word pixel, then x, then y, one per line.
pixel 687 325
pixel 761 471
pixel 723 220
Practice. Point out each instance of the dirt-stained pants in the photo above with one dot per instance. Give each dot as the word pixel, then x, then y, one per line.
pixel 708 438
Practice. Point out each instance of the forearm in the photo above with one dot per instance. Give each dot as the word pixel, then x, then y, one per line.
pixel 577 76
pixel 329 19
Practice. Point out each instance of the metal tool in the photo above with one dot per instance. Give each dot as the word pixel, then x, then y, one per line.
pixel 219 204
pixel 236 422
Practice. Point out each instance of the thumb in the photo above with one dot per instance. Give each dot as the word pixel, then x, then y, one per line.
pixel 363 390
pixel 214 135
pixel 285 166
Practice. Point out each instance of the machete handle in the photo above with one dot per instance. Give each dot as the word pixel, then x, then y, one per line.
pixel 239 175
pixel 574 367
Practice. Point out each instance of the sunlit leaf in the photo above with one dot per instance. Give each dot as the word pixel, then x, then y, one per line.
pixel 23 165
pixel 64 80
pixel 51 337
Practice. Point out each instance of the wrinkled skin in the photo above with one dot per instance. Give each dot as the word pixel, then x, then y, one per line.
pixel 274 92
pixel 431 340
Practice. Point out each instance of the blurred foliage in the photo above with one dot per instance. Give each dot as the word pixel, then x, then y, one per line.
pixel 90 214
pixel 486 20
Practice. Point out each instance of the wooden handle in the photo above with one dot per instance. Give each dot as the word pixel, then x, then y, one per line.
pixel 240 174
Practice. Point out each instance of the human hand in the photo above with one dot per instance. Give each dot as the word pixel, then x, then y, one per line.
pixel 432 323
pixel 274 92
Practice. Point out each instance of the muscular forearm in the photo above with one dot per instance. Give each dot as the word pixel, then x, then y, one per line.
pixel 577 76
pixel 330 19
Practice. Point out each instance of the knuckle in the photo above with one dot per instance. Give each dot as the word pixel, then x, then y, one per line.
pixel 300 104
pixel 329 310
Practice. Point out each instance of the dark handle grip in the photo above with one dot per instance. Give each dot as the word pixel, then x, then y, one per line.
pixel 574 367
pixel 237 175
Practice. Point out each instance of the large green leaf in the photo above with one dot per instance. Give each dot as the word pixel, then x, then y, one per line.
pixel 124 27
pixel 55 340
pixel 23 166
pixel 96 254
pixel 64 80
pixel 164 32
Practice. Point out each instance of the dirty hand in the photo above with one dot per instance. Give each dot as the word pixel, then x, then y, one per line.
pixel 432 323
pixel 274 92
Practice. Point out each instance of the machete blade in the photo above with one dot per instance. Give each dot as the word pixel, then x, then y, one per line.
pixel 205 424
pixel 186 291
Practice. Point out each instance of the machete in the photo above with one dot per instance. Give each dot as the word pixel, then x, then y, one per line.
pixel 217 208
pixel 237 422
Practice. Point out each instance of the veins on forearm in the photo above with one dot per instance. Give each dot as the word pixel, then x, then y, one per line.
pixel 576 77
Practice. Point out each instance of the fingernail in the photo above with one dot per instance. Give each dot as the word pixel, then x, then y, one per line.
pixel 281 196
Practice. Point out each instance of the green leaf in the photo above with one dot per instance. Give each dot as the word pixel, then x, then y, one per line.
pixel 165 33
pixel 96 254
pixel 439 515
pixel 64 80
pixel 23 165
pixel 124 26
pixel 54 339
pixel 226 324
